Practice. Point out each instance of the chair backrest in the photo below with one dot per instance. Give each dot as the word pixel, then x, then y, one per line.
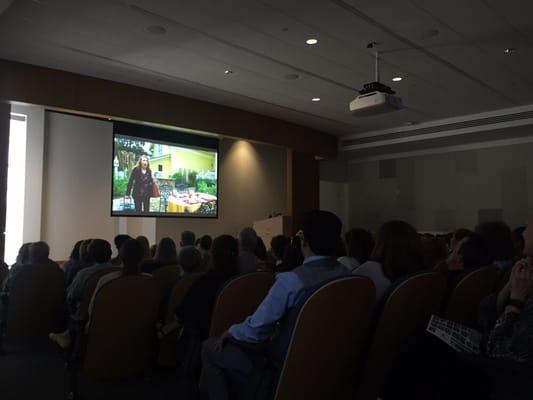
pixel 90 285
pixel 121 334
pixel 167 346
pixel 326 347
pixel 167 275
pixel 502 279
pixel 35 300
pixel 406 311
pixel 464 299
pixel 238 299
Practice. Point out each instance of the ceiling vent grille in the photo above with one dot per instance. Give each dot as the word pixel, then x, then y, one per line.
pixel 449 127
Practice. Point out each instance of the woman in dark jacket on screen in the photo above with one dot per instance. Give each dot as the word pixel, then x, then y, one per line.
pixel 141 181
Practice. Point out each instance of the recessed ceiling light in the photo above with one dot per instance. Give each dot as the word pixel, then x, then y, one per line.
pixel 228 72
pixel 315 99
pixel 156 30
pixel 311 41
pixel 397 79
pixel 509 50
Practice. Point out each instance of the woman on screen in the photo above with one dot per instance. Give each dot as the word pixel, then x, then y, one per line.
pixel 141 181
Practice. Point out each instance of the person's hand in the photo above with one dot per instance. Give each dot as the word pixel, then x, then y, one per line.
pixel 219 345
pixel 521 281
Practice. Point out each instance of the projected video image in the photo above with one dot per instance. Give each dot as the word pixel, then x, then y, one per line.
pixel 152 178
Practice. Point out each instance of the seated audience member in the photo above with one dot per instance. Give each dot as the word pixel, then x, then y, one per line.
pixel 4 269
pixel 398 252
pixel 164 255
pixel 197 306
pixel 73 264
pixel 360 244
pixel 341 249
pixel 119 241
pixel 204 245
pixel 499 239
pixel 518 243
pixel 435 252
pixel 187 238
pixel 131 253
pixel 260 249
pixel 457 236
pixel 143 240
pixel 23 258
pixel 99 252
pixel 85 261
pixel 190 260
pixel 248 261
pixel 278 246
pixel 320 235
pixel 153 249
pixel 38 254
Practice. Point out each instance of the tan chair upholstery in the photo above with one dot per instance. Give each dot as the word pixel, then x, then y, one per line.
pixel 121 334
pixel 406 311
pixel 35 301
pixel 464 299
pixel 167 275
pixel 167 346
pixel 90 285
pixel 327 343
pixel 238 299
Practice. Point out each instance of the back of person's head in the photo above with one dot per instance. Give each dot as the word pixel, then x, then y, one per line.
pixel 398 249
pixel 120 240
pixel 279 244
pixel 23 256
pixel 205 243
pixel 340 250
pixel 293 256
pixel 166 251
pixel 518 242
pixel 321 232
pixel 248 239
pixel 85 258
pixel 143 240
pixel 75 253
pixel 39 252
pixel 225 251
pixel 187 238
pixel 131 253
pixel 190 259
pixel 99 251
pixel 474 251
pixel 360 244
pixel 260 249
pixel 499 239
pixel 435 251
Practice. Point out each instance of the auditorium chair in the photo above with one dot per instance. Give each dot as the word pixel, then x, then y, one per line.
pixel 326 346
pixel 121 333
pixel 238 299
pixel 89 288
pixel 167 275
pixel 405 311
pixel 35 301
pixel 120 340
pixel 167 346
pixel 470 288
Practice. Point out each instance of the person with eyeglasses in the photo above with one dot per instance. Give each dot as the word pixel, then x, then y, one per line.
pixel 319 236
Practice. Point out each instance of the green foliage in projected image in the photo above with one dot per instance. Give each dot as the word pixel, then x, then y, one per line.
pixel 119 186
pixel 205 186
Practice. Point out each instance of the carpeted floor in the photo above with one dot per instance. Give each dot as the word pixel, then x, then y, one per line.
pixel 36 370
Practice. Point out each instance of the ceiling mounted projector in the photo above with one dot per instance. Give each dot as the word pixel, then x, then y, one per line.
pixel 375 98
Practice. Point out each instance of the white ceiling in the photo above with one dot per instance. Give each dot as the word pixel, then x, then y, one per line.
pixel 461 70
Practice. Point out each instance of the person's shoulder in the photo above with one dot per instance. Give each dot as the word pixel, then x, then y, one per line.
pixel 367 267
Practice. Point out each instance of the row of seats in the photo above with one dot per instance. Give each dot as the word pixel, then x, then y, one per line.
pixel 338 344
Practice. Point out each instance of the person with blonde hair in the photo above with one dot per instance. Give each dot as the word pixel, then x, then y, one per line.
pixel 140 185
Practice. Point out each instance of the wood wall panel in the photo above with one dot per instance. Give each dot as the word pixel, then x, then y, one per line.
pixel 79 93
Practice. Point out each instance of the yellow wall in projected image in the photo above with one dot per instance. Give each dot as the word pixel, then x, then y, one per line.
pixel 168 160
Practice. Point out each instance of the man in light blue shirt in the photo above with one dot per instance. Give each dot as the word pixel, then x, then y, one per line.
pixel 319 236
